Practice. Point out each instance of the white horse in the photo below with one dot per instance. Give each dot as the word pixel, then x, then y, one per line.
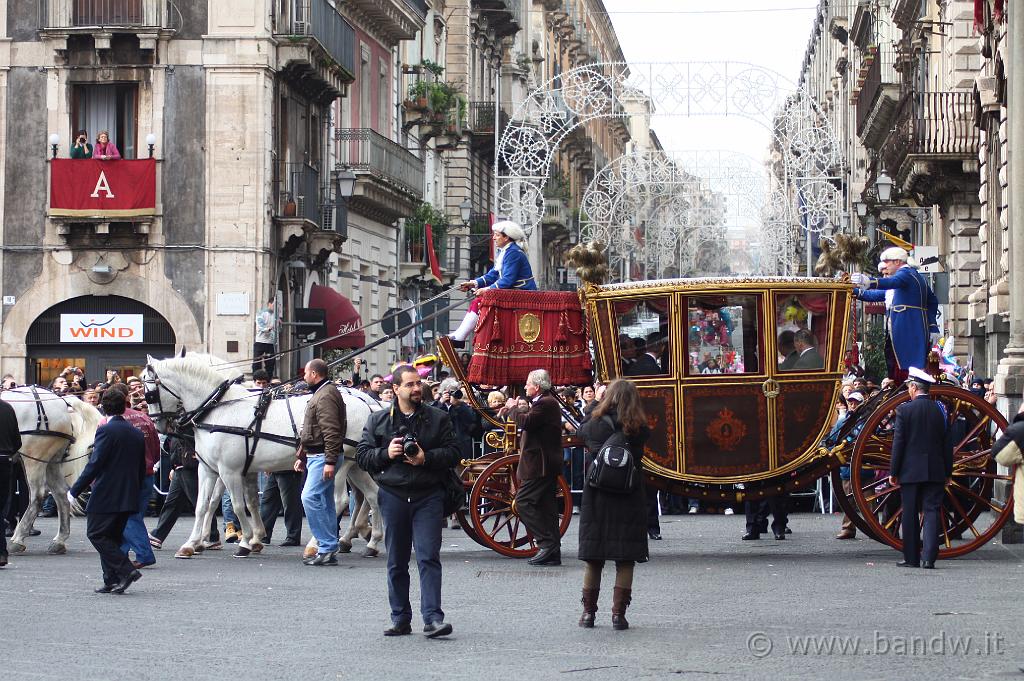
pixel 223 412
pixel 50 425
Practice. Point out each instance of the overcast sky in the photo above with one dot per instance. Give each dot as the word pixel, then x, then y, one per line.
pixel 662 31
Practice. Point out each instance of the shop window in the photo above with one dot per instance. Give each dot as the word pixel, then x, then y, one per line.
pixel 801 325
pixel 722 335
pixel 644 340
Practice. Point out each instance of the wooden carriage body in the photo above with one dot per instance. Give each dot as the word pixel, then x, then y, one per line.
pixel 755 421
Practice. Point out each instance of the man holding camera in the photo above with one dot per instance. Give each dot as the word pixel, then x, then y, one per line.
pixel 321 442
pixel 409 450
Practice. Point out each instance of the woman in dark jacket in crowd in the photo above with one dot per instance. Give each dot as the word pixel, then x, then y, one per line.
pixel 613 526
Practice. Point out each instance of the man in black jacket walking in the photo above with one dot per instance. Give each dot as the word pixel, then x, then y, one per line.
pixel 922 465
pixel 10 444
pixel 409 450
pixel 115 471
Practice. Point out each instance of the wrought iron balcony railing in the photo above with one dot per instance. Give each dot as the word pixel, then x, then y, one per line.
pixel 939 125
pixel 880 73
pixel 70 14
pixel 318 19
pixel 365 151
pixel 302 194
pixel 482 118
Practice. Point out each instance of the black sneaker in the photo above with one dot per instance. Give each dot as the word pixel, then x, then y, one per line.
pixel 322 559
pixel 400 629
pixel 436 629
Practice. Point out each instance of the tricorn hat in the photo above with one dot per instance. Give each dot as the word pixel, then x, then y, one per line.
pixel 510 229
pixel 894 253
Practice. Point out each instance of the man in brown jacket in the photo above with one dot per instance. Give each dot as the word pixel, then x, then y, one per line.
pixel 539 467
pixel 320 445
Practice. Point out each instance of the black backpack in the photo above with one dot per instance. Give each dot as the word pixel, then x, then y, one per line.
pixel 613 469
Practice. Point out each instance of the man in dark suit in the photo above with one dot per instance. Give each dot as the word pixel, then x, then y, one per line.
pixel 786 350
pixel 539 467
pixel 922 465
pixel 809 357
pixel 649 362
pixel 115 471
pixel 10 444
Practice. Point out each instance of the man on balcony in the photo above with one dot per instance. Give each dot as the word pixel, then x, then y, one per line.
pixel 912 316
pixel 511 270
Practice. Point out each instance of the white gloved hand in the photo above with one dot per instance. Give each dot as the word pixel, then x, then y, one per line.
pixel 860 280
pixel 71 498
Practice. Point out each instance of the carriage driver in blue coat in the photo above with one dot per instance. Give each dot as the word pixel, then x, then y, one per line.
pixel 511 270
pixel 911 317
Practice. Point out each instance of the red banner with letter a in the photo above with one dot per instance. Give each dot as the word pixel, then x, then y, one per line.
pixel 94 188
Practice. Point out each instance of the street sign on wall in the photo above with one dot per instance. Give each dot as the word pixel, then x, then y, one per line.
pixel 101 328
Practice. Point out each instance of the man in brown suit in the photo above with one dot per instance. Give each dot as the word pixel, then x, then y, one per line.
pixel 539 467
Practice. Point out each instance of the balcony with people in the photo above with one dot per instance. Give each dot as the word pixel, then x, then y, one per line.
pixel 316 47
pixel 389 178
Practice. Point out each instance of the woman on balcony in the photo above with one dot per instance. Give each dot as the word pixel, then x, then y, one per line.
pixel 105 149
pixel 511 270
pixel 81 148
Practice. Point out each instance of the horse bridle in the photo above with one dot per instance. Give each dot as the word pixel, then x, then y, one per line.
pixel 181 417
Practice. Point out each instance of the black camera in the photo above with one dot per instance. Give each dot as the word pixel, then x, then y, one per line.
pixel 457 394
pixel 410 448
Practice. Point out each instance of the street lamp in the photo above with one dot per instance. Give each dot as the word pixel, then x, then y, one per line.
pixel 54 141
pixel 151 142
pixel 346 183
pixel 466 210
pixel 883 185
pixel 861 208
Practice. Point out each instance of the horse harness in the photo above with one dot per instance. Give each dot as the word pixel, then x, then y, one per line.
pixel 252 433
pixel 43 426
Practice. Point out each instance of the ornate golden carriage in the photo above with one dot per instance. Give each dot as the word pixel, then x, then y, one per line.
pixel 733 415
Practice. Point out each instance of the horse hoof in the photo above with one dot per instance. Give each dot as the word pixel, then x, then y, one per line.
pixel 213 546
pixel 256 548
pixel 242 552
pixel 185 552
pixel 371 553
pixel 344 547
pixel 56 549
pixel 309 552
pixel 16 547
pixel 200 548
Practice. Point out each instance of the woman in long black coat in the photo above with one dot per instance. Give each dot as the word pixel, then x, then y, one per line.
pixel 613 526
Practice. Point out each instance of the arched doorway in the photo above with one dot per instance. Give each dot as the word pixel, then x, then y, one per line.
pixel 806 164
pixel 96 334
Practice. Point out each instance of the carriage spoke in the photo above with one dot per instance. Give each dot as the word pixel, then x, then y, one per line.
pixel 963 514
pixel 973 433
pixel 977 497
pixel 945 530
pixel 892 521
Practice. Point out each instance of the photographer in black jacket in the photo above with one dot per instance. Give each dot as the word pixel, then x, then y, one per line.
pixel 408 450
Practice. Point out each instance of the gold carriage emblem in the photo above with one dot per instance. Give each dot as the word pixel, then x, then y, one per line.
pixel 529 327
pixel 770 388
pixel 726 431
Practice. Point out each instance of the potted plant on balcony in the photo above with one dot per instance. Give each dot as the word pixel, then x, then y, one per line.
pixel 415 230
pixel 419 96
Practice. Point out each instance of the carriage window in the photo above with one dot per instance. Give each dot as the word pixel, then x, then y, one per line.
pixel 722 335
pixel 644 342
pixel 801 322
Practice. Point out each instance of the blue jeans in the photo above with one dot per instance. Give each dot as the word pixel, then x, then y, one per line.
pixel 228 510
pixel 318 500
pixel 407 524
pixel 136 536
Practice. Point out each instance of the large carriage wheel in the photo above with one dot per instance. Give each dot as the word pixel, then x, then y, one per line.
pixel 849 505
pixel 970 515
pixel 492 509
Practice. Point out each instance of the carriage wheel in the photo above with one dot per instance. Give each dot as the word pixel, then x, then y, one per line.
pixel 970 516
pixel 492 509
pixel 849 506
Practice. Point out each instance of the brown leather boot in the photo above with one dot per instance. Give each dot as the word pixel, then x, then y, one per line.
pixel 621 598
pixel 589 602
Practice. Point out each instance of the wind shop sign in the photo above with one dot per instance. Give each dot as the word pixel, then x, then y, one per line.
pixel 94 188
pixel 101 328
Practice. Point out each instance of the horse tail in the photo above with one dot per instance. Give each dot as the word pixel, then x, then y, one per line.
pixel 85 420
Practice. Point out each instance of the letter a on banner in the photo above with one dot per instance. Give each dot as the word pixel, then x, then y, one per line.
pixel 102 184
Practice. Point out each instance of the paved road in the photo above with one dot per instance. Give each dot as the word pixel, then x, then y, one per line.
pixel 701 605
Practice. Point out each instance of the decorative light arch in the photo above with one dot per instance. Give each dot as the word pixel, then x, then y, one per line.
pixel 805 188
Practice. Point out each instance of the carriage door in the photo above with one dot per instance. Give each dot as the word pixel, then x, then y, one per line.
pixel 807 369
pixel 725 416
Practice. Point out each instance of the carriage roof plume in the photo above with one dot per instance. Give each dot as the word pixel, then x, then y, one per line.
pixel 590 262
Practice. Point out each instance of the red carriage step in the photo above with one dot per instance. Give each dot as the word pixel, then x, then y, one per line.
pixel 520 331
